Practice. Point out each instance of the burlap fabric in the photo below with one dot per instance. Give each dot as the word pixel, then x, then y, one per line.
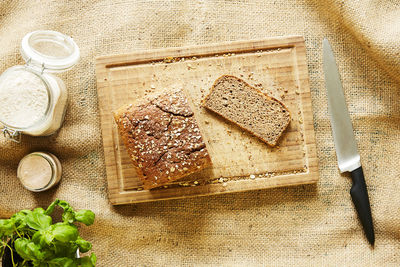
pixel 305 225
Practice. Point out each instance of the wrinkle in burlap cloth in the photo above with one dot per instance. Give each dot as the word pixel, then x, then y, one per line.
pixel 304 225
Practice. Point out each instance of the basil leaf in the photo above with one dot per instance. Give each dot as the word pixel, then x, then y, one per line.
pixel 85 216
pixel 21 215
pixel 68 214
pixel 51 207
pixel 43 238
pixel 19 218
pixel 65 232
pixel 36 238
pixel 93 259
pixel 27 249
pixel 6 227
pixel 48 252
pixel 84 246
pixel 64 204
pixel 62 262
pixel 62 249
pixel 87 261
pixel 48 237
pixel 38 220
pixel 39 210
pixel 20 247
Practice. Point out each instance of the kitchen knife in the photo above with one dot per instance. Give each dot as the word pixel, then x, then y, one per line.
pixel 345 143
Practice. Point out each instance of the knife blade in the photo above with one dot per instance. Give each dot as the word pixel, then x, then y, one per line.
pixel 345 142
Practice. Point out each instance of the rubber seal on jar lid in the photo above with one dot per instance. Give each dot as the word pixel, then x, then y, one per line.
pixel 49 50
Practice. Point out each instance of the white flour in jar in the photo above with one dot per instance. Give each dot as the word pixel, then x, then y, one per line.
pixel 23 99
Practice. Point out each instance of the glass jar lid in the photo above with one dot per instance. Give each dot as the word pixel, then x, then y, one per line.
pixel 49 50
pixel 39 171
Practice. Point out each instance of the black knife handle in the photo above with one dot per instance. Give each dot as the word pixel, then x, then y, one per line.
pixel 359 195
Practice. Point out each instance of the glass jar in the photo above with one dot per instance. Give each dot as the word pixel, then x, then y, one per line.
pixel 33 101
pixel 39 171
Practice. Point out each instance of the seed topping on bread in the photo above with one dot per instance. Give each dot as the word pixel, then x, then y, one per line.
pixel 162 138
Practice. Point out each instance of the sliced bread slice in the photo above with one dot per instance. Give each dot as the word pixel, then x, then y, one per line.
pixel 237 101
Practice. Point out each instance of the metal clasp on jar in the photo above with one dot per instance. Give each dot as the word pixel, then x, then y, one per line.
pixel 31 66
pixel 11 134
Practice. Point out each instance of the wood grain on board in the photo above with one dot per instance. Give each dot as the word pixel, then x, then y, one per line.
pixel 241 162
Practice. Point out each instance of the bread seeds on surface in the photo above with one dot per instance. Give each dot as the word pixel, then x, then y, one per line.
pixel 156 134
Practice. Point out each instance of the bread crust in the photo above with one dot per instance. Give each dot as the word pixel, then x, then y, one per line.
pixel 267 97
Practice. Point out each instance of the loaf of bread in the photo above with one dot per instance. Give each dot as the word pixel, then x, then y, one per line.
pixel 237 101
pixel 162 138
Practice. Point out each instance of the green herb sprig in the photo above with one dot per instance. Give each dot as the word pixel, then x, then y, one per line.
pixel 40 243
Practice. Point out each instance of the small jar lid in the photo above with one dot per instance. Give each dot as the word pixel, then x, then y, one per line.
pixel 49 50
pixel 39 171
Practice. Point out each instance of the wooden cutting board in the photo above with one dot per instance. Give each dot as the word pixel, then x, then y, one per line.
pixel 277 66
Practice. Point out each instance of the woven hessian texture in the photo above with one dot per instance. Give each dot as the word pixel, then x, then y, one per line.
pixel 298 226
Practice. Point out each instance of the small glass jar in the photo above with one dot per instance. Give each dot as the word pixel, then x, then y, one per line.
pixel 33 101
pixel 39 171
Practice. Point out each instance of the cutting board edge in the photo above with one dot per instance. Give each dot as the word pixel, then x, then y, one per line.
pixel 311 178
pixel 161 53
